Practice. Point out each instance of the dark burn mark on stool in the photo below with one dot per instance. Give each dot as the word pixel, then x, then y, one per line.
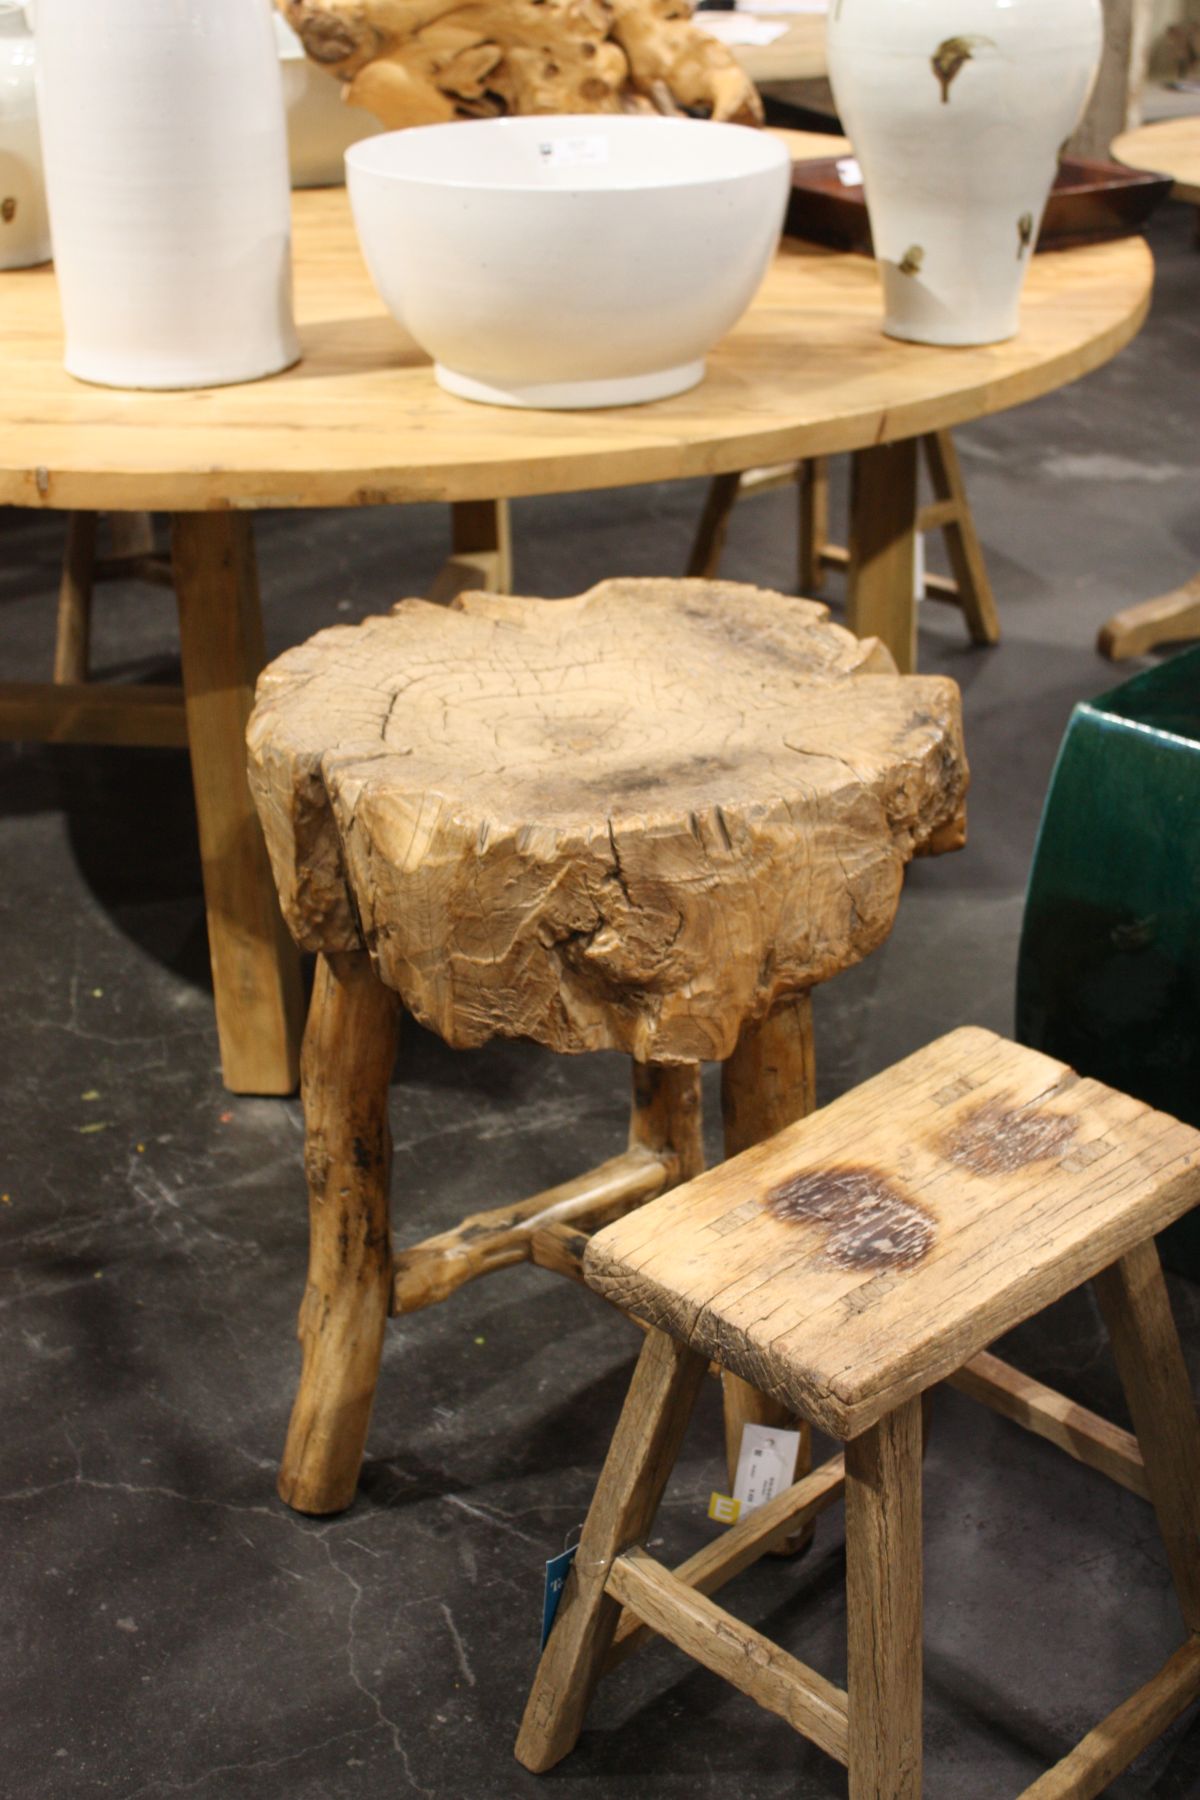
pixel 870 1223
pixel 996 1139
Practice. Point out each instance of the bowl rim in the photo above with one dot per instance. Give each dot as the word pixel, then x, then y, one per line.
pixel 363 158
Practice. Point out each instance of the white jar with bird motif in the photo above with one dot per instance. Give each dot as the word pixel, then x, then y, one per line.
pixel 958 111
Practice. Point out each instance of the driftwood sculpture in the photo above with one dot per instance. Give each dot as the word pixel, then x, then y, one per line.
pixel 423 62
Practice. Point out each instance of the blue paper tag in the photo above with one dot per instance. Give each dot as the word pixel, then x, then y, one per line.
pixel 557 1570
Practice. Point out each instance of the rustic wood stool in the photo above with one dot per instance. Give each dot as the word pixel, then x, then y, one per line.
pixel 845 1268
pixel 969 587
pixel 647 819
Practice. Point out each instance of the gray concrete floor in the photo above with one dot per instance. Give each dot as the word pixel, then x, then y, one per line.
pixel 169 1627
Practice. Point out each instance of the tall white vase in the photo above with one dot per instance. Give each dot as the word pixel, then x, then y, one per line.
pixel 167 180
pixel 24 226
pixel 958 110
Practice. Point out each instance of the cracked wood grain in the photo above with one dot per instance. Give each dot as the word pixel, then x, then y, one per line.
pixel 631 820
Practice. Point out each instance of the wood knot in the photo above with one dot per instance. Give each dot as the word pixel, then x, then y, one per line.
pixel 996 1139
pixel 870 1223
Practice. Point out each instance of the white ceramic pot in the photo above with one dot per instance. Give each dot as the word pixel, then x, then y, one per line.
pixel 569 261
pixel 24 225
pixel 321 127
pixel 957 110
pixel 167 180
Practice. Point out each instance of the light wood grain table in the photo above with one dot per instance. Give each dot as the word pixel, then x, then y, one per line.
pixel 359 422
pixel 1170 148
pixel 799 55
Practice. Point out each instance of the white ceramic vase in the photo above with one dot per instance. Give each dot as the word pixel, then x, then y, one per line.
pixel 958 110
pixel 24 225
pixel 167 180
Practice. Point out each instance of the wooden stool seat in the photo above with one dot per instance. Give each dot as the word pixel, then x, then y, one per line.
pixel 647 819
pixel 873 1248
pixel 626 821
pixel 846 1267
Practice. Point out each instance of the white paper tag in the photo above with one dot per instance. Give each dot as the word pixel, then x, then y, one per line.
pixel 766 1463
pixel 849 172
pixel 569 152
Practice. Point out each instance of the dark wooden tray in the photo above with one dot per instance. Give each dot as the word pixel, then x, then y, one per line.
pixel 1090 201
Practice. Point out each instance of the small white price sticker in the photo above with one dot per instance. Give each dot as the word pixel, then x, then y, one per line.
pixel 570 152
pixel 766 1464
pixel 850 172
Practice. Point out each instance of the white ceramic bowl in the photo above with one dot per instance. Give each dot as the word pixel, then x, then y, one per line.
pixel 568 261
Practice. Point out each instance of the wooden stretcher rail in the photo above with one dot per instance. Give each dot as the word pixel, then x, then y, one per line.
pixel 1048 1414
pixel 1113 1744
pixel 732 1650
pixel 725 1557
pixel 433 1270
pixel 40 712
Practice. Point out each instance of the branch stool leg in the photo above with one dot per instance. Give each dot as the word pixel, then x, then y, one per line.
pixel 349 1049
pixel 883 1607
pixel 641 1456
pixel 768 1082
pixel 1137 1311
pixel 667 1116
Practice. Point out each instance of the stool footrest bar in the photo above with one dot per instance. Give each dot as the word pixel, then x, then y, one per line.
pixel 743 1544
pixel 1113 1744
pixel 736 1652
pixel 433 1270
pixel 1048 1414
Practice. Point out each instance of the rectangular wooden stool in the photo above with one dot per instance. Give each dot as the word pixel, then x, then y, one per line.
pixel 845 1267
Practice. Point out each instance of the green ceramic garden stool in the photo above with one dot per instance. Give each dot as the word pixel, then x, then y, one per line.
pixel 1109 971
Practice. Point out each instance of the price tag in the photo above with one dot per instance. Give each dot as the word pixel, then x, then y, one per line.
pixel 571 152
pixel 557 1570
pixel 849 172
pixel 766 1464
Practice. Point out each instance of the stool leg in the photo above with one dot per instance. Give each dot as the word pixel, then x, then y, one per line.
pixel 1137 1311
pixel 813 488
pixel 768 1082
pixel 883 1607
pixel 641 1456
pixel 349 1049
pixel 667 1115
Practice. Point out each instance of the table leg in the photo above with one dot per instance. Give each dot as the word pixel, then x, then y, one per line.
pixel 256 970
pixel 768 1082
pixel 481 551
pixel 1168 619
pixel 881 600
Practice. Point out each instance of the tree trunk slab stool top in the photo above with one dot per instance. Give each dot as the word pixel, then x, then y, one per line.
pixel 847 1267
pixel 650 819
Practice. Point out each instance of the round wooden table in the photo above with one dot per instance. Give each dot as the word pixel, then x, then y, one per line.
pixel 1170 148
pixel 799 55
pixel 359 422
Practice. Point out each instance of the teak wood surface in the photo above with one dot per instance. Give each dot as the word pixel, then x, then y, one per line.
pixel 360 422
pixel 1171 147
pixel 856 1259
pixel 633 820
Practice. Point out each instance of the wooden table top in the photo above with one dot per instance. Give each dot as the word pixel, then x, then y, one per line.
pixel 1171 147
pixel 799 55
pixel 358 421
